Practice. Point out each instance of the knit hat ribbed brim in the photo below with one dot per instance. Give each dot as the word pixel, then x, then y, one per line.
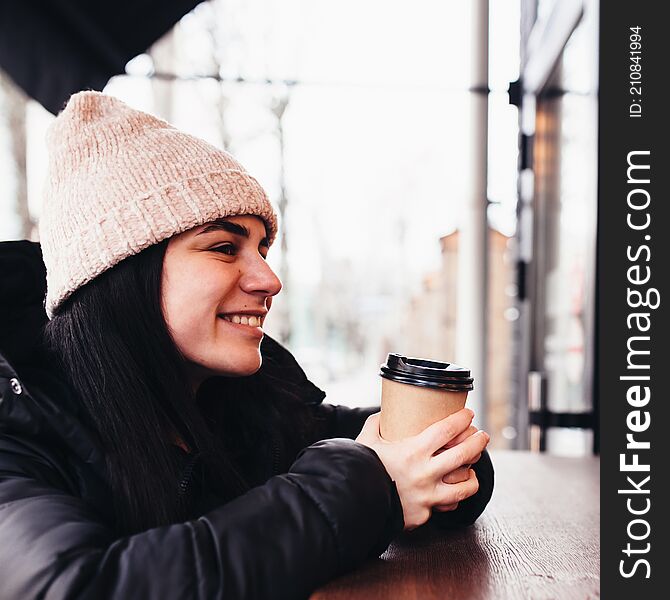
pixel 121 180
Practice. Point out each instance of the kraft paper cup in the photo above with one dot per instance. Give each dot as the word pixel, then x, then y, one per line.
pixel 417 392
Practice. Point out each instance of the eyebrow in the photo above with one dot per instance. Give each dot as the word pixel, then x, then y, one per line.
pixel 223 225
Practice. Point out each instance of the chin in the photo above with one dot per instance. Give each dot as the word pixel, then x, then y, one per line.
pixel 248 371
pixel 241 367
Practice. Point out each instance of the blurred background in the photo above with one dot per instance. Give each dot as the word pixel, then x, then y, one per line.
pixel 434 165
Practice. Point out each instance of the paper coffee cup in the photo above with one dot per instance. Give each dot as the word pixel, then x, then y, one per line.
pixel 417 392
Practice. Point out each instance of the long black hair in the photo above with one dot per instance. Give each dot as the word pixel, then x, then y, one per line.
pixel 115 348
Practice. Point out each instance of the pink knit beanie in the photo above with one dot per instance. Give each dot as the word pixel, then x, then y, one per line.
pixel 121 180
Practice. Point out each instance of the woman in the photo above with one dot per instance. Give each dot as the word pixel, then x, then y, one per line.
pixel 154 443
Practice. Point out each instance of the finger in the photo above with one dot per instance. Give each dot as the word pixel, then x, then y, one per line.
pixel 463 436
pixel 439 434
pixel 450 493
pixel 457 475
pixel 446 507
pixel 462 454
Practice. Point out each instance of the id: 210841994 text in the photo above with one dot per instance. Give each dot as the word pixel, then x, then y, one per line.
pixel 635 71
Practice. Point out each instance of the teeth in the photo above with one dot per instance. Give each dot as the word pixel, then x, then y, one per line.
pixel 251 321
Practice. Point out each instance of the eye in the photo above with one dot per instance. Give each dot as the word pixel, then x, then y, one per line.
pixel 228 249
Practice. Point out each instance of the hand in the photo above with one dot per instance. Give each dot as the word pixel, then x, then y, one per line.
pixel 417 468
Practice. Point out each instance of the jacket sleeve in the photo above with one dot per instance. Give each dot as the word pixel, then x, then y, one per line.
pixel 341 421
pixel 335 508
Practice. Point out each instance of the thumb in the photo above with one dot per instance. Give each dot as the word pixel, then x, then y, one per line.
pixel 370 429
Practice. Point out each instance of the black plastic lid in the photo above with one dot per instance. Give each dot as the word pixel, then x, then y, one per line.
pixel 426 373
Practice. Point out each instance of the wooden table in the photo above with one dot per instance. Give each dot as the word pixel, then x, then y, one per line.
pixel 537 540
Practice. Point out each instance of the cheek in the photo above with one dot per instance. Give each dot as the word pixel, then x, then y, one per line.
pixel 190 299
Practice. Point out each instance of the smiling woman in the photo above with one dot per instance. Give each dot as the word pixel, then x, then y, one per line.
pixel 154 442
pixel 217 323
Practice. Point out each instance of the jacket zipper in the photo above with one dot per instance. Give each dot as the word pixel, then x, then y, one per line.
pixel 189 469
pixel 187 477
pixel 275 456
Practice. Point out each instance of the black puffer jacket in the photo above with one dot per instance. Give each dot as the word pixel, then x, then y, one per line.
pixel 310 517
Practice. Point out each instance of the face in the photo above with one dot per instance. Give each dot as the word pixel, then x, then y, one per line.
pixel 216 291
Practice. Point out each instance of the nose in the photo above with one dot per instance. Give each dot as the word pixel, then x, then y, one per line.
pixel 260 279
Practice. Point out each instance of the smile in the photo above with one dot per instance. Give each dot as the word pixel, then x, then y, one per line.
pixel 248 320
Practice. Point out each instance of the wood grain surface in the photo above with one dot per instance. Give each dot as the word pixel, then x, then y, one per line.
pixel 537 540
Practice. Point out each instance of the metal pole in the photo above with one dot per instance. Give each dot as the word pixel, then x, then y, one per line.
pixel 14 109
pixel 163 55
pixel 279 109
pixel 472 283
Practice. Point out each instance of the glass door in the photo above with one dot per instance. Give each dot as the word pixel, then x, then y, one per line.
pixel 557 232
